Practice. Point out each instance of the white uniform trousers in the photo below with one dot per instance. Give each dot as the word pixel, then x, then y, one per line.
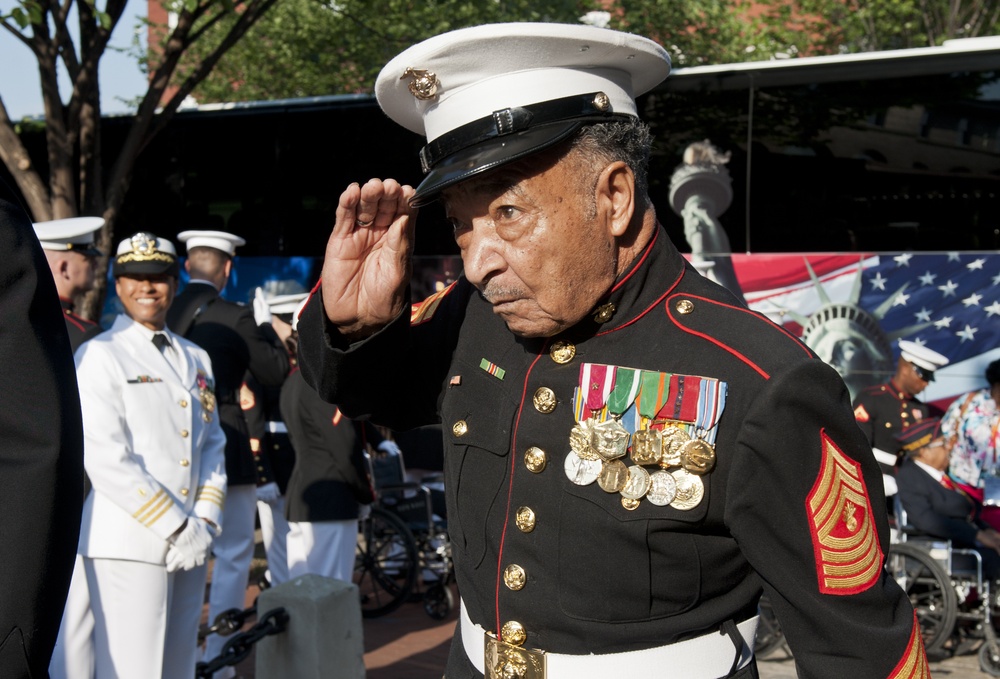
pixel 73 655
pixel 322 548
pixel 145 619
pixel 233 551
pixel 274 531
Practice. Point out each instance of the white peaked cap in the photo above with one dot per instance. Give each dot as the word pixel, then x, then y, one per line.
pixel 74 233
pixel 487 95
pixel 286 304
pixel 220 240
pixel 928 359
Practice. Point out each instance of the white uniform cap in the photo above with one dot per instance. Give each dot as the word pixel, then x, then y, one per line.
pixel 491 94
pixel 922 357
pixel 74 233
pixel 145 253
pixel 285 304
pixel 220 240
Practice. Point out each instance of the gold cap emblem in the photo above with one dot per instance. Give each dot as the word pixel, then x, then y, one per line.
pixel 424 85
pixel 602 102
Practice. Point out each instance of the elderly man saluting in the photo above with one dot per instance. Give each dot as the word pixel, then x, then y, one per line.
pixel 631 455
pixel 153 449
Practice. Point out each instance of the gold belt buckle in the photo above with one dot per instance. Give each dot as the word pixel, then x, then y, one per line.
pixel 504 661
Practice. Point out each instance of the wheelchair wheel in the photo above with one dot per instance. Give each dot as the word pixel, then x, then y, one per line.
pixel 769 637
pixel 438 601
pixel 989 659
pixel 930 591
pixel 385 565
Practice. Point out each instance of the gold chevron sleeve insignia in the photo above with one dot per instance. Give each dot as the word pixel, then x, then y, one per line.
pixel 421 312
pixel 845 541
pixel 913 664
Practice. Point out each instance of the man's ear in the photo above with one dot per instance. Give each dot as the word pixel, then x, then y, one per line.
pixel 62 268
pixel 615 196
pixel 228 267
pixel 187 265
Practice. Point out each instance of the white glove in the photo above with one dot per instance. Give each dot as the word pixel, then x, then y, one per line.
pixel 389 447
pixel 261 310
pixel 269 493
pixel 190 547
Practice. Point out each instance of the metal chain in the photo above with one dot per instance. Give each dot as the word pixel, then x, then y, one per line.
pixel 228 621
pixel 238 648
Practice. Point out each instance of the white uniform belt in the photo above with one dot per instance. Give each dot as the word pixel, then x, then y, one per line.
pixel 277 428
pixel 884 457
pixel 709 656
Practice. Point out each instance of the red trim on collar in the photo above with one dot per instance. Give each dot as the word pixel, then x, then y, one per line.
pixel 897 390
pixel 652 306
pixel 638 264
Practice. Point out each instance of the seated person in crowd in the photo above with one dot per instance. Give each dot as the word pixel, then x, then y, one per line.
pixel 932 502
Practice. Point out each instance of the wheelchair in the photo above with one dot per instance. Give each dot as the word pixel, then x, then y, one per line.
pixel 945 584
pixel 403 551
pixel 953 602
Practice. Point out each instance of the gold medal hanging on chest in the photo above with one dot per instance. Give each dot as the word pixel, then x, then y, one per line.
pixel 206 397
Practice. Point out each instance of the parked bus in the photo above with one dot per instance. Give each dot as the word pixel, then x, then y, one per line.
pixel 877 164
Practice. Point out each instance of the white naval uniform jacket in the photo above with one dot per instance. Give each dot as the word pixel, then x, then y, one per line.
pixel 153 459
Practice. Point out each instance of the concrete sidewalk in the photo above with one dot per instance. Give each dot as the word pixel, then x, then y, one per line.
pixel 409 644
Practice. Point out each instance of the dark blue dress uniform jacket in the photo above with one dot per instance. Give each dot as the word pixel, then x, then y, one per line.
pixel 236 344
pixel 884 410
pixel 603 579
pixel 41 459
pixel 79 328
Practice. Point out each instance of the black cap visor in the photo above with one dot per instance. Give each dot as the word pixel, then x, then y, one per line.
pixel 146 267
pixel 490 155
pixel 923 373
pixel 85 249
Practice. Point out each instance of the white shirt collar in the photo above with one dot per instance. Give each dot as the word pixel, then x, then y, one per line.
pixel 936 473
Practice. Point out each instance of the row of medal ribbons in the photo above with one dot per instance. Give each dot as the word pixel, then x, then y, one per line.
pixel 664 420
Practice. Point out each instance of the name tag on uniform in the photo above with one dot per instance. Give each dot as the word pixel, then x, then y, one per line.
pixel 144 379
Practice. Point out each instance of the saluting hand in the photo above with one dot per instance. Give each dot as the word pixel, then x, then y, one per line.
pixel 368 257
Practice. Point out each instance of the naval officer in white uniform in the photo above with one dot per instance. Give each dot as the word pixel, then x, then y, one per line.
pixel 154 453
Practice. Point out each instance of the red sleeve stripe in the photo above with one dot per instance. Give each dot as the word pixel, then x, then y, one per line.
pixel 913 664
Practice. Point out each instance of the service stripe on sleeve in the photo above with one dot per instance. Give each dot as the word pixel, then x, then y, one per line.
pixel 913 664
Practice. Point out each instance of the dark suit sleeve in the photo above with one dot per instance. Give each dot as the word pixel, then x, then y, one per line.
pixel 395 377
pixel 268 357
pixel 41 460
pixel 932 509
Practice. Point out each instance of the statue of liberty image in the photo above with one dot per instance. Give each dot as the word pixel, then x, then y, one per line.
pixel 842 334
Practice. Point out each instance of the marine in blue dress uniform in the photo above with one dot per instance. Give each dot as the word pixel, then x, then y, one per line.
pixel 71 253
pixel 631 455
pixel 885 410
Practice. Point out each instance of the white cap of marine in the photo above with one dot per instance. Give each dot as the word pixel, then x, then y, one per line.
pixel 487 95
pixel 286 304
pixel 922 357
pixel 220 240
pixel 73 233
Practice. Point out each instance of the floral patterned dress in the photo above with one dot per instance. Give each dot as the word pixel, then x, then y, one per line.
pixel 973 422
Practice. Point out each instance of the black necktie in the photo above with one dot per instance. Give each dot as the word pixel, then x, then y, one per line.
pixel 161 341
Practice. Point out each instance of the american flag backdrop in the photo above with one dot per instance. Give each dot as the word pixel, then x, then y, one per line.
pixel 948 301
